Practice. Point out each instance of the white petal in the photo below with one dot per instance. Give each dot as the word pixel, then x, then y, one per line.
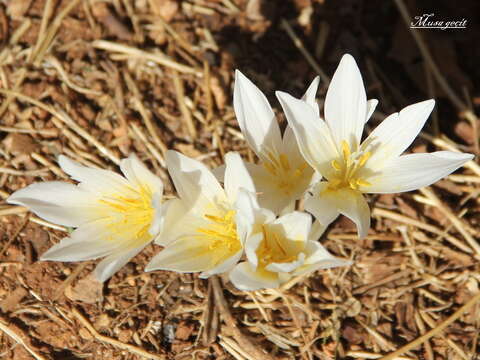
pixel 395 134
pixel 98 181
pixel 246 207
pixel 112 263
pixel 87 242
pixel 321 207
pixel 347 202
pixel 313 135
pixel 244 277
pixel 251 246
pixel 223 267
pixel 346 103
pixel 193 180
pixel 139 176
pixel 291 149
pixel 310 95
pixel 319 258
pixel 255 116
pixel 317 230
pixel 179 221
pixel 236 176
pixel 183 255
pixel 296 225
pixel 270 196
pixel 286 267
pixel 59 202
pixel 371 105
pixel 160 211
pixel 413 171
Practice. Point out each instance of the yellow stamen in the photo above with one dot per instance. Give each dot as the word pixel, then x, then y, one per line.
pixel 364 158
pixel 284 162
pixel 336 165
pixel 362 182
pixel 345 150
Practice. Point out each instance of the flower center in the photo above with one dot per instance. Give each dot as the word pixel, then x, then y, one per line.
pixel 130 217
pixel 273 249
pixel 346 169
pixel 286 177
pixel 221 236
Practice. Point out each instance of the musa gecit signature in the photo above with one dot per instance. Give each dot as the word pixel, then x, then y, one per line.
pixel 426 21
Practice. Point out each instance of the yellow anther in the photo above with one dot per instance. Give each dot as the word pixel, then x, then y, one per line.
pixel 353 184
pixel 214 218
pixel 273 159
pixel 270 168
pixel 284 162
pixel 345 150
pixel 364 158
pixel 335 164
pixel 361 182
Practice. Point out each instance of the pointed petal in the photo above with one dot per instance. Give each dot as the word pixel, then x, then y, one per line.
pixel 296 225
pixel 112 263
pixel 98 181
pixel 246 207
pixel 319 258
pixel 255 116
pixel 347 202
pixel 321 207
pixel 310 95
pixel 346 103
pixel 395 134
pixel 183 255
pixel 236 176
pixel 193 180
pixel 223 267
pixel 286 267
pixel 371 105
pixel 251 246
pixel 85 243
pixel 413 171
pixel 313 135
pixel 139 176
pixel 317 230
pixel 59 202
pixel 178 221
pixel 244 277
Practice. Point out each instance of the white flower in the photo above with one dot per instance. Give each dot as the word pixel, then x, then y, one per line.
pixel 115 216
pixel 278 249
pixel 350 167
pixel 207 225
pixel 282 175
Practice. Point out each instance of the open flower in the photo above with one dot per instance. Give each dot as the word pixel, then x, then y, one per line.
pixel 208 225
pixel 282 175
pixel 115 216
pixel 350 167
pixel 278 249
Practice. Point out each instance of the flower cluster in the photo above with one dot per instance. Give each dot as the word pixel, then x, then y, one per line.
pixel 240 219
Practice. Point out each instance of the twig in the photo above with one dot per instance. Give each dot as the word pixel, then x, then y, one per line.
pixel 114 342
pixel 298 43
pixel 18 339
pixel 434 331
pixel 244 342
pixel 134 52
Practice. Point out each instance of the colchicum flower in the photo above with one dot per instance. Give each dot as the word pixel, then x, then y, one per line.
pixel 278 249
pixel 350 167
pixel 282 175
pixel 115 217
pixel 207 225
